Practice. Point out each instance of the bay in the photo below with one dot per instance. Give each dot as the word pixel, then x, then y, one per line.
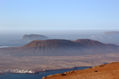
pixel 38 75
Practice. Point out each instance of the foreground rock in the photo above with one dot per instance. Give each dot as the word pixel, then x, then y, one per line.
pixel 107 71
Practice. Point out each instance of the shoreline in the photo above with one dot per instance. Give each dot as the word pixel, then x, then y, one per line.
pixel 47 70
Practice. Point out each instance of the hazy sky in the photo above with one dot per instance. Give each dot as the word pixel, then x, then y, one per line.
pixel 59 15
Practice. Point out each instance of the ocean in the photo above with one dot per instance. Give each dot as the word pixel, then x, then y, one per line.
pixel 37 75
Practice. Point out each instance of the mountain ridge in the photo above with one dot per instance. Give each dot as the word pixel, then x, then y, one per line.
pixel 61 42
pixel 61 47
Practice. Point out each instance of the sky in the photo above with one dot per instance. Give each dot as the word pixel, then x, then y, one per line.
pixel 24 15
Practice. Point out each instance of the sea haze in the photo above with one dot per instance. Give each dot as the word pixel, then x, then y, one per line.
pixel 16 39
pixel 29 53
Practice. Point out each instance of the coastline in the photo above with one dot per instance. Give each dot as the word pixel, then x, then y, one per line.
pixel 104 71
pixel 17 71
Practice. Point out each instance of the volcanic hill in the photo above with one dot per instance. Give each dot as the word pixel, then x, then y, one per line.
pixel 61 47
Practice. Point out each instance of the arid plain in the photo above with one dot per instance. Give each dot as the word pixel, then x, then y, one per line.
pixel 41 63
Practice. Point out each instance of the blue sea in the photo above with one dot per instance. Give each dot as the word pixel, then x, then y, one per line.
pixel 38 75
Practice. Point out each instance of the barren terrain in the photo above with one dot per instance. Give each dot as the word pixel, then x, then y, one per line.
pixel 41 63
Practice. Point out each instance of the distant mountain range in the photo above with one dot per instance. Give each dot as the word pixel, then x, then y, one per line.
pixel 61 43
pixel 104 37
pixel 23 40
pixel 61 47
pixel 32 37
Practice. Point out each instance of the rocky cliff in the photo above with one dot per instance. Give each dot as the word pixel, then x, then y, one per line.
pixel 107 71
